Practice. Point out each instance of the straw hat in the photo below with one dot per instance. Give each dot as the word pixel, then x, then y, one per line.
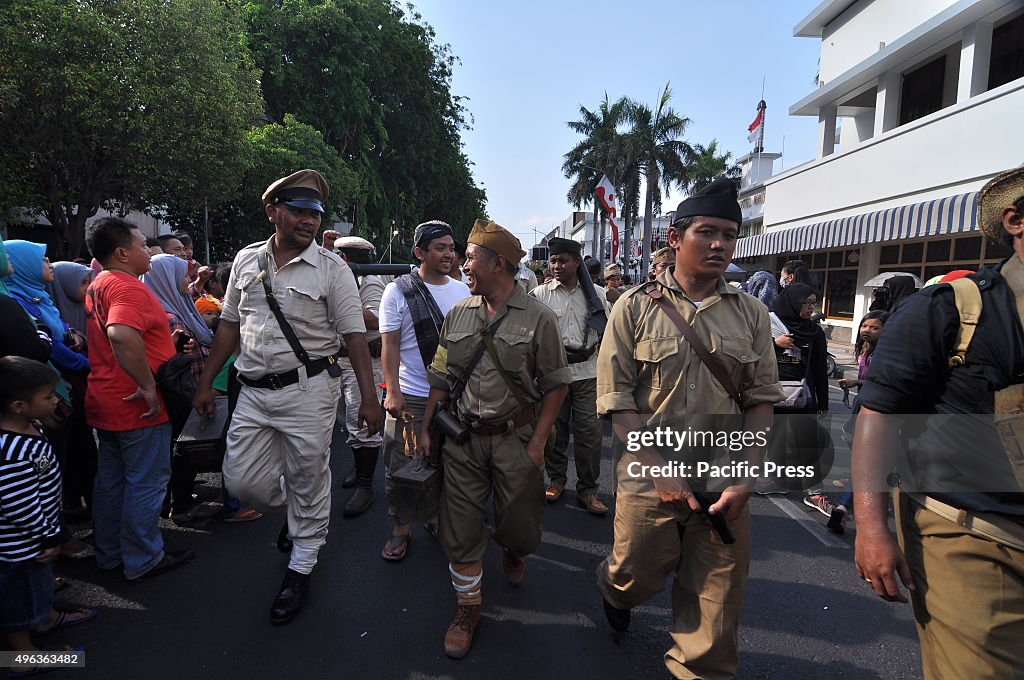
pixel 1000 192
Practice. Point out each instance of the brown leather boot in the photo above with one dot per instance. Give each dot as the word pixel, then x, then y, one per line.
pixel 515 567
pixel 593 504
pixel 459 637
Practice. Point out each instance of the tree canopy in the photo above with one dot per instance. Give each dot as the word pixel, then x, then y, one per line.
pixel 171 107
pixel 127 102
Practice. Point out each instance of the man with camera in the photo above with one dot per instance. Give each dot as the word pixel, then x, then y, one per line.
pixel 288 302
pixel 499 357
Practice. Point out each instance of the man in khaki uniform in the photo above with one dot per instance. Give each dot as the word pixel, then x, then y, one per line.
pixel 612 283
pixel 499 405
pixel 661 260
pixel 365 444
pixel 647 372
pixel 278 446
pixel 566 296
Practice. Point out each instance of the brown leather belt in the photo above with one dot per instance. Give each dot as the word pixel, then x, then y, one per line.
pixel 523 418
pixel 578 356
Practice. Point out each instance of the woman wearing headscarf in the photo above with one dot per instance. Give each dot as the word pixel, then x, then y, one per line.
pixel 763 286
pixel 898 287
pixel 805 360
pixel 20 337
pixel 32 271
pixel 168 279
pixel 67 290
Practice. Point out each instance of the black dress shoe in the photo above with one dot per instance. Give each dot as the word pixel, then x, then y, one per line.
pixel 171 560
pixel 618 619
pixel 290 598
pixel 284 544
pixel 359 502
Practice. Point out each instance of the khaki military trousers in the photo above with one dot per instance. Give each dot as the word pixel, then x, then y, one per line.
pixel 396 434
pixel 473 472
pixel 969 597
pixel 278 453
pixel 653 540
pixel 352 399
pixel 578 415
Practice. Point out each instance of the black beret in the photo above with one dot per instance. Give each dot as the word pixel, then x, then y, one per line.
pixel 717 199
pixel 558 246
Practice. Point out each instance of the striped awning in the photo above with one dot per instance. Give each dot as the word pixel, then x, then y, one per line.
pixel 950 215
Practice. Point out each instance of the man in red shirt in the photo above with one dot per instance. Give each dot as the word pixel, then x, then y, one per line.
pixel 128 341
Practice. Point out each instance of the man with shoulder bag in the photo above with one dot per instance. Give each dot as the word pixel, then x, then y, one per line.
pixel 500 362
pixel 288 304
pixel 412 312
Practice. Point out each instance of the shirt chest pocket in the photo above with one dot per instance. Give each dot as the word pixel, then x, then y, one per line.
pixel 660 366
pixel 513 350
pixel 299 302
pixel 247 288
pixel 739 359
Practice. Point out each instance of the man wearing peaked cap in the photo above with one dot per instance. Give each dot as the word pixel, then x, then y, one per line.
pixel 569 295
pixel 612 283
pixel 960 520
pixel 512 387
pixel 649 376
pixel 365 444
pixel 302 189
pixel 287 304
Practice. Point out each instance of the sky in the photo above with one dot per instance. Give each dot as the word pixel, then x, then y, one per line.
pixel 527 66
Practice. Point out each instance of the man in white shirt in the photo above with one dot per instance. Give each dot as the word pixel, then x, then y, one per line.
pixel 566 297
pixel 411 313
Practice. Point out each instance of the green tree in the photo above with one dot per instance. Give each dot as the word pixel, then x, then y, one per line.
pixel 656 152
pixel 128 103
pixel 373 80
pixel 278 149
pixel 709 165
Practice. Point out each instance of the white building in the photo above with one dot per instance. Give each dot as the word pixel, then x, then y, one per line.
pixel 918 106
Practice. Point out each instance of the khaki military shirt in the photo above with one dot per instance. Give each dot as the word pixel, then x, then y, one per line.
pixel 318 296
pixel 570 307
pixel 645 364
pixel 529 346
pixel 371 290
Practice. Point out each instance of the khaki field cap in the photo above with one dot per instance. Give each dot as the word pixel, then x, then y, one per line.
pixel 662 256
pixel 355 242
pixel 303 189
pixel 612 270
pixel 497 238
pixel 1001 192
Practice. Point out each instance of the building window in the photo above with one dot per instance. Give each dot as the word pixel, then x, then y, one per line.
pixel 835 274
pixel 922 90
pixel 1007 61
pixel 966 252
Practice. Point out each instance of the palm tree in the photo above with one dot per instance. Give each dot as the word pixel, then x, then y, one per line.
pixel 596 154
pixel 655 151
pixel 708 166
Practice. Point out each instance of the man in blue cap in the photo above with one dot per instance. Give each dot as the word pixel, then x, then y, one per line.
pixel 278 446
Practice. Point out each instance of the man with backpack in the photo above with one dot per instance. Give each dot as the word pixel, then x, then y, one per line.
pixel 959 506
pixel 412 311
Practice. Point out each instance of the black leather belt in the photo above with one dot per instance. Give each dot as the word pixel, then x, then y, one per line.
pixel 578 356
pixel 279 381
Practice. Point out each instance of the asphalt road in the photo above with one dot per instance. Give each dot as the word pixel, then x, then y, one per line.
pixel 806 614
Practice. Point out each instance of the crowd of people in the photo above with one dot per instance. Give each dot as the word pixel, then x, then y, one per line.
pixel 468 376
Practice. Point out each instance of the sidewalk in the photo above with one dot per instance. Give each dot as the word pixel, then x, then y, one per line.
pixel 843 352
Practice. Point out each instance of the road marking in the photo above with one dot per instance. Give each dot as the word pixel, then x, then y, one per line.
pixel 807 522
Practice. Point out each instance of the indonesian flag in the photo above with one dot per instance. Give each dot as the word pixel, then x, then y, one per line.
pixel 606 193
pixel 756 129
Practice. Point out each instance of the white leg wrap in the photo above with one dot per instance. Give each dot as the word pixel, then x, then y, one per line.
pixel 467 586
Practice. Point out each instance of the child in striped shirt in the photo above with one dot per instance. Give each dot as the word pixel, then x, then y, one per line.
pixel 30 501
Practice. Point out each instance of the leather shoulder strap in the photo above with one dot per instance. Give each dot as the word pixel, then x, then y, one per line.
pixel 286 328
pixel 696 343
pixel 967 297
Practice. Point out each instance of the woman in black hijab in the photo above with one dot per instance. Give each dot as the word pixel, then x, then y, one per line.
pixel 899 287
pixel 805 359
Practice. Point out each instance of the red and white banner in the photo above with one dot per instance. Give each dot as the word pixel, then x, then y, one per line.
pixel 608 196
pixel 756 129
